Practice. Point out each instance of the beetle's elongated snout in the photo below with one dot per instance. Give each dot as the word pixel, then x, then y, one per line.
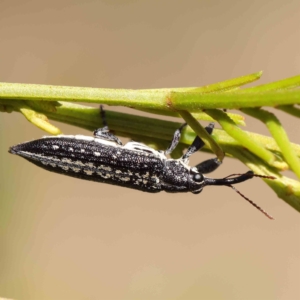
pixel 229 180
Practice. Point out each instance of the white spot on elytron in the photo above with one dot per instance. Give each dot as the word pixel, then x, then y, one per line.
pixel 79 163
pixel 145 175
pixel 71 149
pixel 155 179
pixel 53 165
pixel 44 162
pixel 105 176
pixel 124 178
pixel 66 168
pixel 103 167
pixel 91 165
pixel 67 160
pixel 97 153
pixel 145 181
pixel 118 172
pixel 55 147
pixel 88 172
pixel 76 170
pixel 82 150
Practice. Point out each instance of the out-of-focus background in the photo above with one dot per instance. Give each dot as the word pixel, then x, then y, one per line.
pixel 62 238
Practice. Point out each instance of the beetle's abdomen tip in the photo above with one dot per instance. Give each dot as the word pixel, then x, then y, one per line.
pixel 13 150
pixel 17 149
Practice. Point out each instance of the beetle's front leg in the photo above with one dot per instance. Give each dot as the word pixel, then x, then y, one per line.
pixel 197 143
pixel 208 166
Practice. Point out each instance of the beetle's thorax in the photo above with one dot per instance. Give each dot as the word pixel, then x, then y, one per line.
pixel 177 176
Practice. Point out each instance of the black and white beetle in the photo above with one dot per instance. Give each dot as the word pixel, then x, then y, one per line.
pixel 103 158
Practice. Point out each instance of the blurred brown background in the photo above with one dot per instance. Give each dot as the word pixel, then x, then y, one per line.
pixel 62 238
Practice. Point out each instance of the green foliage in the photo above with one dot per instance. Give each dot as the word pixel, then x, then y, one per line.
pixel 264 155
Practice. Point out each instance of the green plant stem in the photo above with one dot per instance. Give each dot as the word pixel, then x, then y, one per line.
pixel 155 99
pixel 161 100
pixel 38 119
pixel 287 83
pixel 194 102
pixel 244 139
pixel 278 134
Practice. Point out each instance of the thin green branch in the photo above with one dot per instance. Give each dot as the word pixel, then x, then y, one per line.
pixel 156 99
pixel 194 102
pixel 244 139
pixel 287 83
pixel 38 119
pixel 278 134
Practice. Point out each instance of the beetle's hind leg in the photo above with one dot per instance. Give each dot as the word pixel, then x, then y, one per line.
pixel 103 133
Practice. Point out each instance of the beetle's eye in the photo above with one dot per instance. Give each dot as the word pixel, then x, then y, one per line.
pixel 198 177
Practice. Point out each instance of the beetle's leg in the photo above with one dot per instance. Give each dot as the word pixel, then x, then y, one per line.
pixel 197 143
pixel 175 139
pixel 208 166
pixel 103 133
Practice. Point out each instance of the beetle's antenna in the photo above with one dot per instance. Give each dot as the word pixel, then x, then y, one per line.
pixel 237 178
pixel 251 202
pixel 250 174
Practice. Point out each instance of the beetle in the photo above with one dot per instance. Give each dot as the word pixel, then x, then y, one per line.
pixel 103 158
